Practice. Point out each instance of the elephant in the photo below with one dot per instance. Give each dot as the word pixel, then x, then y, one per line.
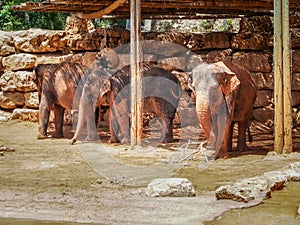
pixel 225 94
pixel 161 93
pixel 57 85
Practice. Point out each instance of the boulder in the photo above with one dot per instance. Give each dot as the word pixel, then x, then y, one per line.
pixel 173 63
pixel 295 98
pixel 254 62
pixel 17 81
pixel 264 115
pixel 170 187
pixel 39 40
pixel 31 100
pixel 6 43
pixel 19 61
pixel 296 61
pixel 4 116
pixel 250 41
pixel 264 80
pixel 295 37
pixel 54 58
pixel 76 25
pixel 296 81
pixel 255 188
pixel 264 98
pixel 295 166
pixel 11 100
pixel 26 114
pixel 256 24
pixel 217 55
pixel 215 40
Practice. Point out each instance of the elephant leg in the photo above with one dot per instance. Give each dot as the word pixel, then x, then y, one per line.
pixel 121 113
pixel 242 136
pixel 223 149
pixel 92 133
pixel 58 121
pixel 230 136
pixel 44 113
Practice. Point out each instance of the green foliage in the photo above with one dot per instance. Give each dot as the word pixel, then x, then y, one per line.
pixel 18 20
pixel 104 23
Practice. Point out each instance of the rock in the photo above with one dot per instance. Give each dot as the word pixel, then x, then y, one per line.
pixel 254 62
pixel 296 82
pixel 173 63
pixel 298 212
pixel 39 40
pixel 264 115
pixel 17 81
pixel 276 180
pixel 295 98
pixel 296 61
pixel 264 98
pixel 250 41
pixel 295 37
pixel 53 58
pixel 4 116
pixel 264 80
pixel 255 188
pixel 26 114
pixel 75 25
pixel 256 24
pixel 217 55
pixel 6 43
pixel 19 61
pixel 171 187
pixel 215 40
pixel 11 100
pixel 295 166
pixel 31 100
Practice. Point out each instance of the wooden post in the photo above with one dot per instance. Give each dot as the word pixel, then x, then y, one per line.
pixel 136 73
pixel 282 78
pixel 278 96
pixel 286 71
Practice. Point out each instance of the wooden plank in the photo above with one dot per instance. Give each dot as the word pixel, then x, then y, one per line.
pixel 278 96
pixel 136 73
pixel 286 70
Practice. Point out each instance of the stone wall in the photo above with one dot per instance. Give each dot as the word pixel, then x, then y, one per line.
pixel 252 47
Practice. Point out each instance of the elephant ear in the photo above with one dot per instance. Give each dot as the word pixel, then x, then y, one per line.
pixel 229 83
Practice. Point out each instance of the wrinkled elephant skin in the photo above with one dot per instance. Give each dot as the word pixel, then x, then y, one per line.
pixel 161 92
pixel 57 85
pixel 225 93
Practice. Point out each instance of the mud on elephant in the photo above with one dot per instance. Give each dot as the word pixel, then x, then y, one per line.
pixel 57 85
pixel 225 94
pixel 161 93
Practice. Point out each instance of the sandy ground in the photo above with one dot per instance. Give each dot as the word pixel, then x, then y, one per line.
pixel 53 180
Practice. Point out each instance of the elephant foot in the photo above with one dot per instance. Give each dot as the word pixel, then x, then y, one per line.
pixel 73 141
pixel 222 155
pixel 93 137
pixel 42 136
pixel 168 139
pixel 58 135
pixel 113 140
pixel 242 148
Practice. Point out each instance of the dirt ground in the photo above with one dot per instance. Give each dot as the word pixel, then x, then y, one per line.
pixel 53 180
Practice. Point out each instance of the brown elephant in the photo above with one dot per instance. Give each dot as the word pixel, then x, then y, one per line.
pixel 225 93
pixel 161 93
pixel 57 85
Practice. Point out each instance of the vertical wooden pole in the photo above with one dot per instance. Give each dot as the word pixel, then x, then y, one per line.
pixel 286 71
pixel 136 73
pixel 278 96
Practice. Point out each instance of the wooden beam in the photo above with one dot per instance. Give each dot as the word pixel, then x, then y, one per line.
pixel 286 71
pixel 102 12
pixel 278 96
pixel 136 74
